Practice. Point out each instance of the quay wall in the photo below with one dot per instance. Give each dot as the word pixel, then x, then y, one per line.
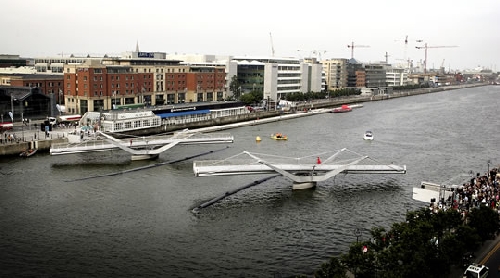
pixel 58 136
pixel 213 122
pixel 14 149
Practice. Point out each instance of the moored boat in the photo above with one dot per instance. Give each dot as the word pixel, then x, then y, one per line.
pixel 342 109
pixel 359 105
pixel 28 153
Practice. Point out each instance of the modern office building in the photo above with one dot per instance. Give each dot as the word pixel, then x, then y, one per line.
pixel 336 73
pixel 55 64
pixel 315 81
pixel 356 74
pixel 376 76
pixel 396 76
pixel 276 77
pixel 7 61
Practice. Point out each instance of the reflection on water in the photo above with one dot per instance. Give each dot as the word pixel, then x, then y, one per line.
pixel 103 215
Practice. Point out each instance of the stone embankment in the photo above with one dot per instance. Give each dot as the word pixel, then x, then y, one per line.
pixel 29 137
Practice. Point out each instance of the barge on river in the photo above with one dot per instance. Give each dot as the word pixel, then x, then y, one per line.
pixel 141 121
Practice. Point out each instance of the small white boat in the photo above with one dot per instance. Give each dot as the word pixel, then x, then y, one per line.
pixel 359 105
pixel 368 135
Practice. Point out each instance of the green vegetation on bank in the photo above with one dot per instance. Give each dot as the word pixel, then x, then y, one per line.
pixel 411 87
pixel 345 92
pixel 427 244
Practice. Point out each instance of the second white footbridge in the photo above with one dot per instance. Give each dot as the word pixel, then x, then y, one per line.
pixel 305 172
pixel 140 148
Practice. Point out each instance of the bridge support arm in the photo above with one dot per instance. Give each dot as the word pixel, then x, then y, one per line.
pixel 342 168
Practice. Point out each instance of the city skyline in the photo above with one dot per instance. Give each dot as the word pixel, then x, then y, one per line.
pixel 258 28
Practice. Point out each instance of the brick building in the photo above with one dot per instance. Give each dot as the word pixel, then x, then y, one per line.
pixel 49 84
pixel 142 80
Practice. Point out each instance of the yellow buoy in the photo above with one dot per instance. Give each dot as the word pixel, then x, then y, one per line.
pixel 257 139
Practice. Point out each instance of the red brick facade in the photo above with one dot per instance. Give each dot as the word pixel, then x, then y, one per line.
pixel 94 87
pixel 48 84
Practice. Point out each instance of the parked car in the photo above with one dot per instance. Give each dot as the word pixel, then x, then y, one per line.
pixel 476 271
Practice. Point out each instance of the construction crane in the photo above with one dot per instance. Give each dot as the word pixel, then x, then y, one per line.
pixel 426 47
pixel 442 69
pixel 352 46
pixel 318 52
pixel 272 44
pixel 406 46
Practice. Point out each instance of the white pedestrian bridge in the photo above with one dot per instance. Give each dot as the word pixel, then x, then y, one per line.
pixel 140 148
pixel 305 172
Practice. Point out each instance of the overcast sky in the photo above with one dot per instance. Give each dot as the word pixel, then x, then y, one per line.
pixel 33 28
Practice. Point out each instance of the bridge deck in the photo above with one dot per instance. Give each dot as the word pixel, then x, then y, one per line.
pixel 139 143
pixel 214 168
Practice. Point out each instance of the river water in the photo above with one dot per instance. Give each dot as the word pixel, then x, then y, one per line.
pixel 66 216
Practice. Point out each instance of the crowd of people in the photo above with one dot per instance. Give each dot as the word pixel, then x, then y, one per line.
pixel 479 190
pixel 9 138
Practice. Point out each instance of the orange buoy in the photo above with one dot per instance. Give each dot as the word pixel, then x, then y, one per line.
pixel 258 139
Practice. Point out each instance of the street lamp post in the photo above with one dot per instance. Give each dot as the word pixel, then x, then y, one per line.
pixel 357 233
pixel 488 173
pixel 22 125
pixel 142 95
pixel 60 95
pixel 12 109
